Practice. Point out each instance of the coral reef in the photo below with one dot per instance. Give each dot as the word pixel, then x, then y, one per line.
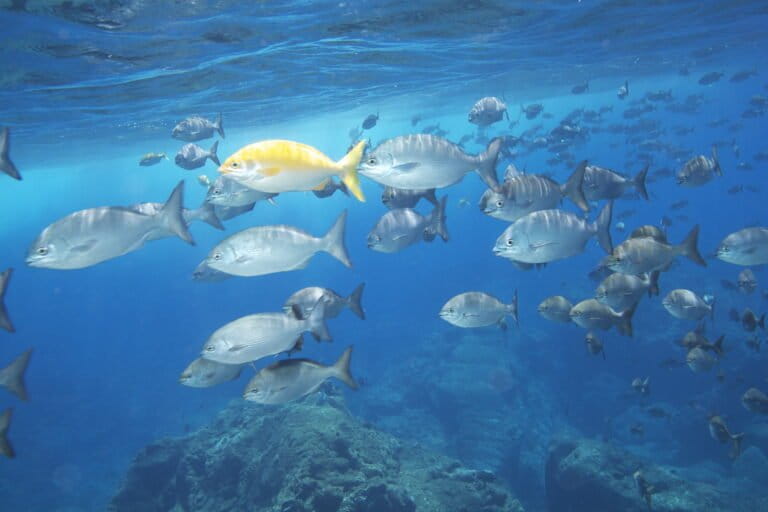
pixel 310 456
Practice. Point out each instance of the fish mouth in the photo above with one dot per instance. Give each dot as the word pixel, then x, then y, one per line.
pixel 498 251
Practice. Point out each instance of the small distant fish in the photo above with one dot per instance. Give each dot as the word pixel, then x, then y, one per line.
pixel 639 255
pixel 620 227
pixel 699 170
pixel 696 339
pixel 405 198
pixel 581 88
pixel 678 205
pixel 699 360
pixel 594 345
pixel 204 373
pixel 415 120
pixel 753 344
pixel 330 188
pixel 623 91
pixel 637 430
pixel 746 247
pixel 402 227
pixel 6 165
pixel 740 76
pixel 659 95
pixel 304 301
pixel 746 282
pixel 686 305
pixel 291 379
pixel 755 400
pixel 591 314
pixel 487 111
pixel 718 430
pixel 195 128
pixel 204 180
pixel 532 111
pixel 12 376
pixel 556 308
pixel 601 183
pixel 751 322
pixel 710 78
pixel 645 489
pixel 152 159
pixel 463 202
pixel 478 309
pixel 354 134
pixel 641 386
pixel 191 156
pixel 5 445
pixel 370 121
pixel 5 319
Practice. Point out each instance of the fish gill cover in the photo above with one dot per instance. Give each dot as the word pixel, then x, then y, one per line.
pixel 531 237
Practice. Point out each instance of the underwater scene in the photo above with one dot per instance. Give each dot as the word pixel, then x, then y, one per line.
pixel 380 256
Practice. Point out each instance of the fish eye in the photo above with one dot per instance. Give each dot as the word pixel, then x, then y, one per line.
pixel 499 203
pixel 217 256
pixel 209 348
pixel 510 242
pixel 234 164
pixel 371 161
pixel 216 191
pixel 42 251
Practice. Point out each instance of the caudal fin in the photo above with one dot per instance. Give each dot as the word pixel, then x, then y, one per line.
pixel 212 153
pixel 5 320
pixel 486 163
pixel 219 125
pixel 12 376
pixel 207 214
pixel 689 247
pixel 354 301
pixel 603 226
pixel 437 222
pixel 316 322
pixel 6 165
pixel 333 241
pixel 348 167
pixel 572 188
pixel 639 183
pixel 718 346
pixel 717 170
pixel 653 286
pixel 172 217
pixel 341 369
pixel 625 322
pixel 512 309
pixel 5 446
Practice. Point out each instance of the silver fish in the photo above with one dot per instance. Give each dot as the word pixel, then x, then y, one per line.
pixel 591 314
pixel 699 360
pixel 205 213
pixel 649 231
pixel 478 309
pixel 746 282
pixel 522 194
pixel 196 128
pixel 268 249
pixel 601 183
pixel 686 305
pixel 718 430
pixel 640 255
pixel 191 156
pixel 622 291
pixel 291 379
pixel 556 308
pixel 5 319
pixel 641 386
pixel 304 301
pixel 755 400
pixel 6 165
pixel 204 373
pixel 748 246
pixel 425 161
pixel 88 237
pixel 228 192
pixel 264 334
pixel 699 170
pixel 12 376
pixel 152 159
pixel 549 235
pixel 5 423
pixel 623 91
pixel 487 111
pixel 594 344
pixel 206 274
pixel 400 228
pixel 404 198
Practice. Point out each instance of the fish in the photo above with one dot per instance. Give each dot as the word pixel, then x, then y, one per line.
pixel 204 373
pixel 623 91
pixel 415 120
pixel 649 231
pixel 206 212
pixel 487 111
pixel 549 235
pixel 253 337
pixel 267 249
pixel 304 301
pixel 645 489
pixel 291 379
pixel 641 386
pixel 591 314
pixel 556 308
pixel 620 226
pixel 283 166
pixel 196 128
pixel 5 319
pixel 639 255
pixel 601 183
pixel 478 309
pixel 746 247
pixel 622 291
pixel 740 76
pixel 686 305
pixel 370 121
pixel 230 212
pixel 204 180
pixel 526 193
pixel 696 339
pixel 404 198
pixel 532 111
pixel 718 430
pixel 699 361
pixel 581 88
pixel 191 156
pixel 330 188
pixel 637 429
pixel 12 376
pixel 5 445
pixel 403 227
pixel 750 321
pixel 6 164
pixel 678 205
pixel 152 159
pixel 424 161
pixel 699 170
pixel 88 237
pixel 227 192
pixel 710 78
pixel 204 273
pixel 755 400
pixel 594 345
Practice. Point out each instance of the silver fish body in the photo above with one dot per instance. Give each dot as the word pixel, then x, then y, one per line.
pixel 748 246
pixel 646 254
pixel 556 308
pixel 699 360
pixel 196 128
pixel 601 183
pixel 746 282
pixel 591 314
pixel 478 309
pixel 487 111
pixel 699 170
pixel 403 227
pixel 228 192
pixel 307 298
pixel 394 198
pixel 191 156
pixel 152 159
pixel 686 305
pixel 204 373
pixel 622 291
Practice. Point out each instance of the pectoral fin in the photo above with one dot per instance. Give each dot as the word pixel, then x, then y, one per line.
pixel 407 166
pixel 85 246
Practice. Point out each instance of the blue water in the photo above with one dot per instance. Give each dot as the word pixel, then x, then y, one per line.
pixel 87 90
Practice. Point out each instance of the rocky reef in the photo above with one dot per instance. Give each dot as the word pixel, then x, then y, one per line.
pixel 311 456
pixel 590 475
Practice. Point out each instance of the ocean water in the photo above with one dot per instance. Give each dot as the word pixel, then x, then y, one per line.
pixel 89 87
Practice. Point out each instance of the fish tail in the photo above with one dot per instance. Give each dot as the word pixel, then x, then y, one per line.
pixel 761 323
pixel 341 369
pixel 737 439
pixel 438 219
pixel 12 376
pixel 512 309
pixel 354 301
pixel 316 322
pixel 348 166
pixel 718 170
pixel 429 195
pixel 171 214
pixel 639 182
pixel 5 320
pixel 572 188
pixel 603 227
pixel 653 287
pixel 333 241
pixel 486 166
pixel 689 247
pixel 219 125
pixel 625 324
pixel 6 165
pixel 5 446
pixel 212 153
pixel 207 213
pixel 626 85
pixel 718 345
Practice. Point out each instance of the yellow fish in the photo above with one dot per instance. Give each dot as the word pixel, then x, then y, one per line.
pixel 282 166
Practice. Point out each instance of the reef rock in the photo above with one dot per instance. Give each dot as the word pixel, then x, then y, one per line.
pixel 590 475
pixel 304 457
